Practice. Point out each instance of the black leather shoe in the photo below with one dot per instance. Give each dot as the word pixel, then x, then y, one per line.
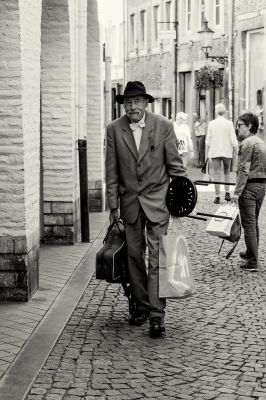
pixel 227 196
pixel 249 266
pixel 243 254
pixel 156 327
pixel 217 200
pixel 138 318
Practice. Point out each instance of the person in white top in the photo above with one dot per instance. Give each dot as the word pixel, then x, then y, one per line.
pixel 221 147
pixel 182 131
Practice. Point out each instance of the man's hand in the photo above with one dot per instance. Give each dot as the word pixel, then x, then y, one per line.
pixel 114 215
pixel 234 199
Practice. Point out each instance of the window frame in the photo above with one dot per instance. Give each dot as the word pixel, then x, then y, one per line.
pixel 187 15
pixel 132 32
pixel 155 28
pixel 221 14
pixel 143 30
pixel 200 12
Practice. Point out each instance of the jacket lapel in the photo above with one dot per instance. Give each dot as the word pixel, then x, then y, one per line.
pixel 129 138
pixel 146 137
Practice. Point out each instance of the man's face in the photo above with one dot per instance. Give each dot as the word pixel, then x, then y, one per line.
pixel 243 130
pixel 135 107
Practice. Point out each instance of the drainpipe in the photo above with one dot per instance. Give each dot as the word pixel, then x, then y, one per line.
pixel 125 43
pixel 108 69
pixel 230 61
pixel 81 114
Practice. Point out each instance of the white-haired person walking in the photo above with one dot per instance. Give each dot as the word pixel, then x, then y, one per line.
pixel 182 131
pixel 221 148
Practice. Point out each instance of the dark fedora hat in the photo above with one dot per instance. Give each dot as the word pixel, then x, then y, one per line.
pixel 132 89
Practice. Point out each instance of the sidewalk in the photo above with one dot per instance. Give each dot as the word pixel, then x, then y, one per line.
pixel 60 267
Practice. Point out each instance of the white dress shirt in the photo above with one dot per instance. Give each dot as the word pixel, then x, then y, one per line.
pixel 137 132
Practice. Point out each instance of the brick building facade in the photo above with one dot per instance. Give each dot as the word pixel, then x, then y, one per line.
pixel 148 57
pixel 249 58
pixel 151 58
pixel 238 34
pixel 40 124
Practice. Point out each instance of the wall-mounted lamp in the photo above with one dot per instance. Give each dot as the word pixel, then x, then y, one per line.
pixel 206 35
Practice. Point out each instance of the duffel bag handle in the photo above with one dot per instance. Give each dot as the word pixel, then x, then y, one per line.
pixel 110 227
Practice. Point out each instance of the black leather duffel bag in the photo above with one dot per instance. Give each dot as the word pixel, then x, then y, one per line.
pixel 111 260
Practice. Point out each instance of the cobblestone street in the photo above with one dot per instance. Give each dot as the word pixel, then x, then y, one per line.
pixel 214 345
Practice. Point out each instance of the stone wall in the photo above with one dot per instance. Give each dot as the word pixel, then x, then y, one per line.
pixel 59 148
pixel 248 16
pixel 20 148
pixel 95 133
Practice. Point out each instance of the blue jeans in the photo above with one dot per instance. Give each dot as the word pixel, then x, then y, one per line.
pixel 249 207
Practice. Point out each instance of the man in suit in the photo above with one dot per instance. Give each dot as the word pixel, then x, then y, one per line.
pixel 221 148
pixel 141 156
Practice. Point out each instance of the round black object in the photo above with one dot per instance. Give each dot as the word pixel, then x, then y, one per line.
pixel 181 196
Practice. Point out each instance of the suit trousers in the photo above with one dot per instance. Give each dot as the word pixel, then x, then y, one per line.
pixel 145 281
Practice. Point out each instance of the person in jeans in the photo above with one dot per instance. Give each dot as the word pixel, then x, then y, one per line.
pixel 250 185
pixel 200 127
pixel 221 147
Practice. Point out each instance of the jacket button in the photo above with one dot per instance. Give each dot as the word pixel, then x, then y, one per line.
pixel 140 180
pixel 139 165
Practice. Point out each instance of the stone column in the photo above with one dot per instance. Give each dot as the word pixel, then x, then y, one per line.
pixel 95 133
pixel 19 148
pixel 59 123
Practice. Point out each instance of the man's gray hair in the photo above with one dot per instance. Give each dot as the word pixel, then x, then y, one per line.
pixel 220 109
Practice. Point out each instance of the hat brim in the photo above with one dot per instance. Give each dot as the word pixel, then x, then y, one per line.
pixel 120 97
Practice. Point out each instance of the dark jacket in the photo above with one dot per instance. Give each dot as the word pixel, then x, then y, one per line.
pixel 251 162
pixel 135 179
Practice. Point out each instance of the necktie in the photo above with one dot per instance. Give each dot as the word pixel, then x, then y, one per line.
pixel 135 125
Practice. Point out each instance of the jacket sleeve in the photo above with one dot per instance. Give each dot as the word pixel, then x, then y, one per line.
pixel 233 135
pixel 209 135
pixel 174 162
pixel 189 141
pixel 112 170
pixel 244 162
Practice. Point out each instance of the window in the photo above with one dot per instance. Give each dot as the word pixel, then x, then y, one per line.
pixel 202 11
pixel 217 12
pixel 188 15
pixel 142 29
pixel 155 24
pixel 168 15
pixel 132 32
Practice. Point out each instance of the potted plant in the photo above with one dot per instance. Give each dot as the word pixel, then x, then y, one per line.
pixel 208 77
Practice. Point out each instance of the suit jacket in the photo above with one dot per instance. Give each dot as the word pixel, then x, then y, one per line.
pixel 135 179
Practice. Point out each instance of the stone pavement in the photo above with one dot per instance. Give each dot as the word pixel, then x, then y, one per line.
pixel 214 346
pixel 59 265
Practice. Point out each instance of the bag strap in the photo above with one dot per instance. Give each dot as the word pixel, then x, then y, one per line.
pixel 221 246
pixel 128 294
pixel 110 227
pixel 230 252
pixel 175 226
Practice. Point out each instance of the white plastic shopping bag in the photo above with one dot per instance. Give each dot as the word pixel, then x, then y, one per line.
pixel 222 226
pixel 175 270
